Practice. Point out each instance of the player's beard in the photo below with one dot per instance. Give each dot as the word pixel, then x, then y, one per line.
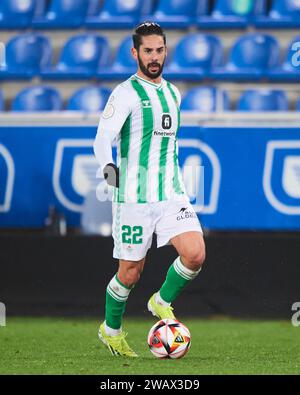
pixel 146 69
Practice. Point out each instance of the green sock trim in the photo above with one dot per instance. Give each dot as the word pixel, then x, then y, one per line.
pixel 173 285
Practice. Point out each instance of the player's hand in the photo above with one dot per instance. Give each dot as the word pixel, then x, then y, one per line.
pixel 111 174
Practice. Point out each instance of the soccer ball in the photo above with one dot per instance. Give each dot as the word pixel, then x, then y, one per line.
pixel 169 339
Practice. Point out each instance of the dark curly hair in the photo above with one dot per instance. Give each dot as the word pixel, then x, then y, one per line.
pixel 146 28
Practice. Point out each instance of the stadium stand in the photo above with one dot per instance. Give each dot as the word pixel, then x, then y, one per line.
pixel 282 14
pixel 194 56
pixel 68 51
pixel 289 70
pixel 173 14
pixel 89 99
pixel 62 14
pixel 231 14
pixel 80 58
pixel 252 56
pixel 16 14
pixel 178 14
pixel 263 100
pixel 118 14
pixel 38 98
pixel 123 66
pixel 27 55
pixel 205 99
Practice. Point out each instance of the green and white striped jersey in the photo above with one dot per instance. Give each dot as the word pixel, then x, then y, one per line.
pixel 144 118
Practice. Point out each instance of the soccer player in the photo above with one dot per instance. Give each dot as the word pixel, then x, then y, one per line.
pixel 143 115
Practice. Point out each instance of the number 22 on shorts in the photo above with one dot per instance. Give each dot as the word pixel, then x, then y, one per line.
pixel 132 234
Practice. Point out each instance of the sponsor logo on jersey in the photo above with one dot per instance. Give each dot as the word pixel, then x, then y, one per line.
pixel 166 121
pixel 161 133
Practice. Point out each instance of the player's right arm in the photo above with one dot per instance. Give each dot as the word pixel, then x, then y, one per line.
pixel 111 121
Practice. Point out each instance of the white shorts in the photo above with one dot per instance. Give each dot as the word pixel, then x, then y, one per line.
pixel 135 223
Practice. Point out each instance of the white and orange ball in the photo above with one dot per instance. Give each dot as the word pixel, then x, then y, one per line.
pixel 169 338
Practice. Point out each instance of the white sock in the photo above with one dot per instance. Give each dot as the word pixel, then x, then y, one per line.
pixel 183 271
pixel 160 301
pixel 110 331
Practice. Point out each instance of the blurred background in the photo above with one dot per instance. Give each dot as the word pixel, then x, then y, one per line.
pixel 237 65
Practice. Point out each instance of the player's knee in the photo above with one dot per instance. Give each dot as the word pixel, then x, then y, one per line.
pixel 194 259
pixel 200 258
pixel 129 272
pixel 131 276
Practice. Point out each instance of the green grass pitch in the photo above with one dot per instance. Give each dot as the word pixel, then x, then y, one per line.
pixel 219 346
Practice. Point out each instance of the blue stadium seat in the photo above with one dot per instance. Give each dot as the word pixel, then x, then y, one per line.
pixel 93 8
pixel 37 98
pixel 252 56
pixel 178 14
pixel 298 104
pixel 119 14
pixel 283 14
pixel 80 58
pixel 16 14
pixel 290 69
pixel 205 99
pixel 40 8
pixel 26 56
pixel 263 100
pixel 232 14
pixel 62 14
pixel 89 99
pixel 123 57
pixel 123 66
pixel 194 55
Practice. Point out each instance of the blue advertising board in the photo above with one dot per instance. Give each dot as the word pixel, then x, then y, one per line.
pixel 250 177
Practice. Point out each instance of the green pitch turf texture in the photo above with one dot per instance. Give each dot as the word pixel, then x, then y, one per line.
pixel 219 346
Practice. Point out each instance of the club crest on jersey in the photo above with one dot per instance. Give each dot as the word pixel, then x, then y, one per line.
pixel 166 121
pixel 146 103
